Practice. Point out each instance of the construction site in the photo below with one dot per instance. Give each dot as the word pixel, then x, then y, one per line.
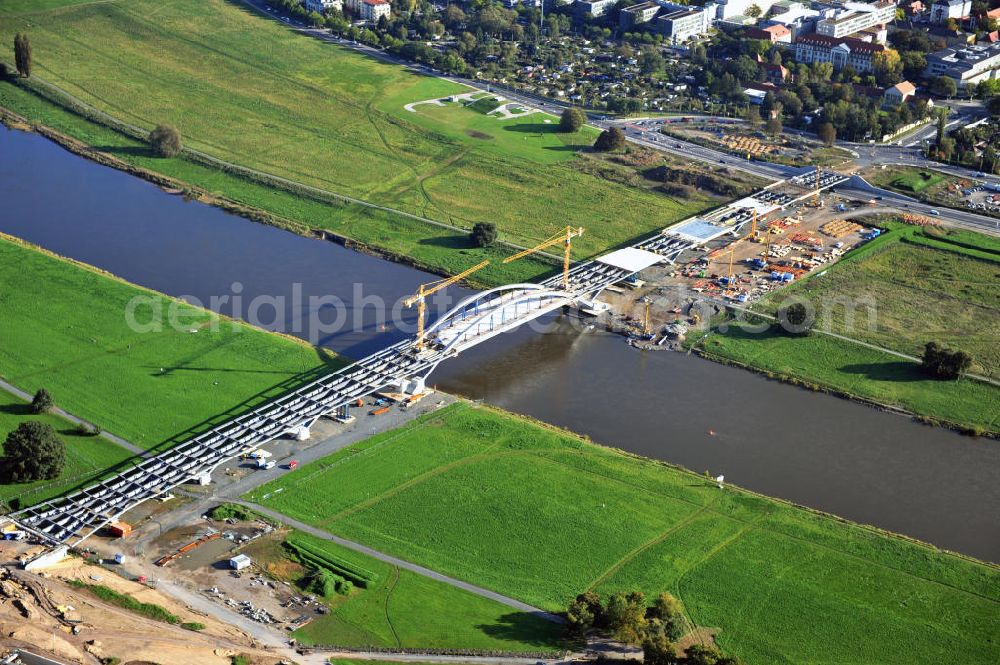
pixel 738 255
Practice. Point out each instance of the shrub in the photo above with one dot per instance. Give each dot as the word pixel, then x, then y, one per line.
pixel 944 364
pixel 483 234
pixel 166 140
pixel 193 625
pixel 610 139
pixel 322 582
pixel 42 401
pixel 795 318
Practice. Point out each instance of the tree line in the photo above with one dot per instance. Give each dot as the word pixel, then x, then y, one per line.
pixel 628 618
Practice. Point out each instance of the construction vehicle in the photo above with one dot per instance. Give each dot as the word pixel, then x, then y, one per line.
pixel 420 298
pixel 564 237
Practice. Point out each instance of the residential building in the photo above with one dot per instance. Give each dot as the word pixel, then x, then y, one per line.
pixel 942 10
pixel 639 14
pixel 772 33
pixel 322 6
pixel 852 17
pixel 776 75
pixel 594 8
pixel 912 8
pixel 964 65
pixel 898 94
pixel 840 51
pixel 373 10
pixel 681 23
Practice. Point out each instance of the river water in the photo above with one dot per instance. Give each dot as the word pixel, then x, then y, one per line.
pixel 813 449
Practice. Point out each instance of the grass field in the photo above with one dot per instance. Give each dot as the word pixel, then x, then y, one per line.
pixel 542 515
pixel 917 181
pixel 907 288
pixel 251 91
pixel 65 329
pixel 87 457
pixel 403 609
pixel 916 291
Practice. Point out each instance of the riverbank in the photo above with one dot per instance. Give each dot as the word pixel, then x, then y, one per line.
pixel 329 121
pixel 302 212
pixel 66 330
pixel 910 286
pixel 494 499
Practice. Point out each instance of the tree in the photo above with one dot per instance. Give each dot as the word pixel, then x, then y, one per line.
pixel 752 117
pixel 625 616
pixel 888 67
pixel 650 60
pixel 610 139
pixel 993 105
pixel 827 133
pixel 795 318
pixel 944 86
pixel 166 140
pixel 657 649
pixel 946 148
pixel 34 452
pixel 22 54
pixel 773 126
pixel 753 11
pixel 572 120
pixel 42 401
pixel 944 364
pixel 484 234
pixel 667 610
pixel 580 616
pixel 699 654
pixel 914 64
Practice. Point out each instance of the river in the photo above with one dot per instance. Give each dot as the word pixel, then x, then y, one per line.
pixel 813 449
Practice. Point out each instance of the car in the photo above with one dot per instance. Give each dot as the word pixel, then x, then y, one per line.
pixel 935 212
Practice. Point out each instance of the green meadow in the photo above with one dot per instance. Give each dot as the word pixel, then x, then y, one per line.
pixel 251 91
pixel 909 287
pixel 87 457
pixel 65 329
pixel 399 608
pixel 541 515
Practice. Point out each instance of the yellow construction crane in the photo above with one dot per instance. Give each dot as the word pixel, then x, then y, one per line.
pixel 729 280
pixel 420 297
pixel 753 226
pixel 564 237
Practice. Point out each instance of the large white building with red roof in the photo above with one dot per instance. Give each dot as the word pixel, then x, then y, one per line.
pixel 840 51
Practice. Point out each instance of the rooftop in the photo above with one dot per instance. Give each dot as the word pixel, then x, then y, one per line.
pixel 852 43
pixel 904 88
